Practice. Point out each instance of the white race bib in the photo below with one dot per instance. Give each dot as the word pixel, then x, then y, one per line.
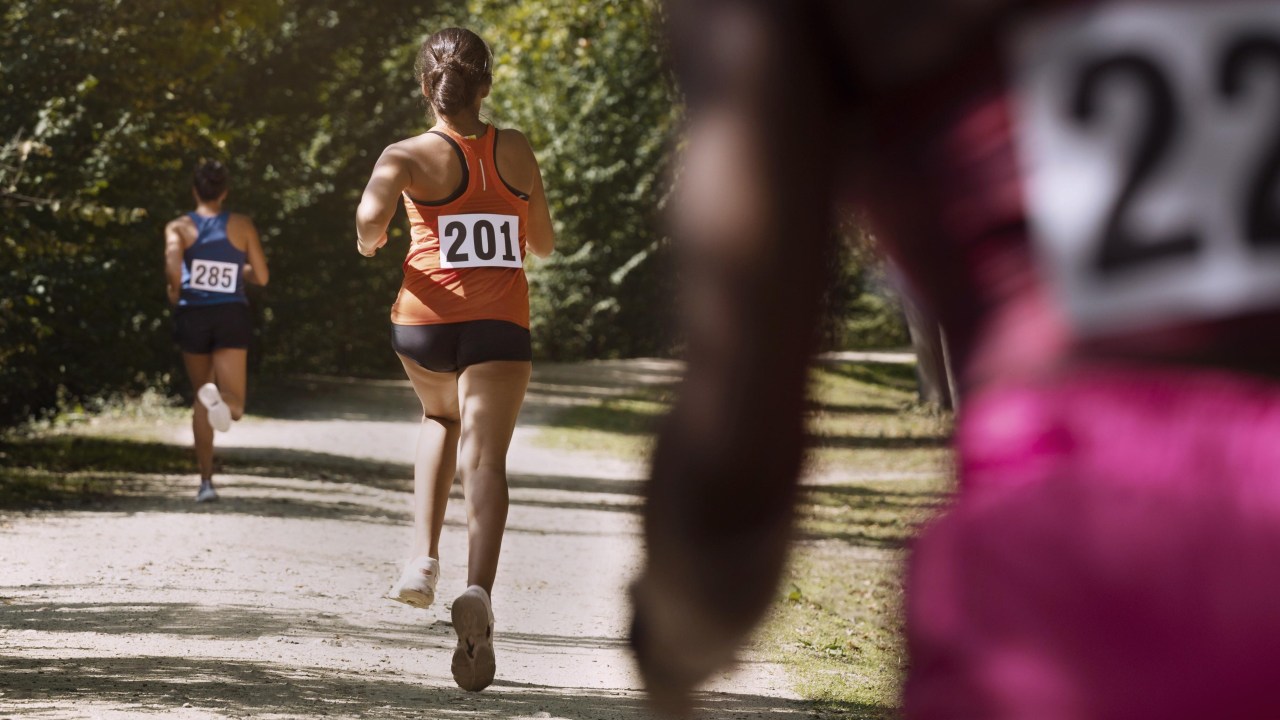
pixel 479 240
pixel 214 276
pixel 1149 137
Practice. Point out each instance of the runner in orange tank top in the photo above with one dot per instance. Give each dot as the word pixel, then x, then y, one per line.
pixel 474 278
pixel 460 324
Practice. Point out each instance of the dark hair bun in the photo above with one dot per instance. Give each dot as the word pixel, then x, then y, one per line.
pixel 453 66
pixel 210 179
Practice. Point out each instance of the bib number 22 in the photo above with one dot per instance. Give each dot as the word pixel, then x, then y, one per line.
pixel 1149 135
pixel 480 240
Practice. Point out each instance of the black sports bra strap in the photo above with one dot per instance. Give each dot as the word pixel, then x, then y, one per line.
pixel 466 174
pixel 498 170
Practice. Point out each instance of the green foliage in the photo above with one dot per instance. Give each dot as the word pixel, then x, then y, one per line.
pixel 862 310
pixel 108 105
pixel 585 81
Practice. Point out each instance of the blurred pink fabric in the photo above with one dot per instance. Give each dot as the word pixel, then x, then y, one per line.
pixel 1113 552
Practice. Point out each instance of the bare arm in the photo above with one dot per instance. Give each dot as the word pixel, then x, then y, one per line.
pixel 390 177
pixel 540 237
pixel 752 223
pixel 173 261
pixel 255 269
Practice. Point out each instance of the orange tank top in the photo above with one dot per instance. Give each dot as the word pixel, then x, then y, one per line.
pixel 466 255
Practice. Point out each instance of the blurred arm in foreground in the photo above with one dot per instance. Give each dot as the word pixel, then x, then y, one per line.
pixel 753 221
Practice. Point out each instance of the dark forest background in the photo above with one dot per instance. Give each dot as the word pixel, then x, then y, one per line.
pixel 107 106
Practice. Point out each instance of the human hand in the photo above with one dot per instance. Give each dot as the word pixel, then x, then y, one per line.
pixel 360 246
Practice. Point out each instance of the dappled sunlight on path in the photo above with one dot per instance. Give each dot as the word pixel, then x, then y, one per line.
pixel 268 602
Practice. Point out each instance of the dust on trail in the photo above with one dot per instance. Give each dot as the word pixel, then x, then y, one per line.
pixel 267 604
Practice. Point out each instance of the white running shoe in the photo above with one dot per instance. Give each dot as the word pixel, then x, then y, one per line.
pixel 206 493
pixel 219 413
pixel 417 584
pixel 473 662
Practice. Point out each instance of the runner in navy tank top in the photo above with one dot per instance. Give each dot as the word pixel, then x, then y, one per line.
pixel 212 267
pixel 210 255
pixel 1087 194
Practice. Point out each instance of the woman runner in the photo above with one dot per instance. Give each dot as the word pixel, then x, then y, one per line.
pixel 209 256
pixel 460 324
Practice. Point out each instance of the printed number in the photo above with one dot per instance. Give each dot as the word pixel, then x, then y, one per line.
pixel 1119 251
pixel 457 234
pixel 214 276
pixel 510 254
pixel 1263 217
pixel 475 240
pixel 485 228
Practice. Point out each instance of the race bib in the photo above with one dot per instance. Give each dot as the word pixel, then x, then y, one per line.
pixel 480 240
pixel 214 276
pixel 1149 139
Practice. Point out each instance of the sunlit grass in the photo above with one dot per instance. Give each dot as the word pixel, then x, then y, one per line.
pixel 882 466
pixel 837 626
pixel 619 427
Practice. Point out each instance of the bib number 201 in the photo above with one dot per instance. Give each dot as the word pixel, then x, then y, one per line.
pixel 1149 135
pixel 480 240
pixel 214 276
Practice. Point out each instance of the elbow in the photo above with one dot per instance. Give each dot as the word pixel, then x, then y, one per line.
pixel 543 248
pixel 368 218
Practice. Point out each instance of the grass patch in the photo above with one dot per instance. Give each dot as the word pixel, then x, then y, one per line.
pixel 837 625
pixel 838 628
pixel 888 376
pixel 870 514
pixel 864 418
pixel 621 427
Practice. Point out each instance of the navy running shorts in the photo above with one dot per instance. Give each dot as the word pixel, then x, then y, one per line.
pixel 452 347
pixel 201 329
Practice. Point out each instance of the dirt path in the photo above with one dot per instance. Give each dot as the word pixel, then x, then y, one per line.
pixel 267 603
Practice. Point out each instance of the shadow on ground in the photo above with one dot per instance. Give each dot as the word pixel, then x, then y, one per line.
pixel 118 475
pixel 335 398
pixel 72 453
pixel 223 621
pixel 162 684
pixel 883 515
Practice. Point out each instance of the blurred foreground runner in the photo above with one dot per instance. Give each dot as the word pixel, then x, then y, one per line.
pixel 1087 195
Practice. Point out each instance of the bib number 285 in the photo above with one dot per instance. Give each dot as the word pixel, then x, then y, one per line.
pixel 480 240
pixel 214 276
pixel 1150 137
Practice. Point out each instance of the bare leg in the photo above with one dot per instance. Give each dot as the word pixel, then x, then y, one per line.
pixel 437 457
pixel 492 394
pixel 229 369
pixel 200 371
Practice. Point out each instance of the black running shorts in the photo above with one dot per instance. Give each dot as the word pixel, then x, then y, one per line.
pixel 201 329
pixel 451 347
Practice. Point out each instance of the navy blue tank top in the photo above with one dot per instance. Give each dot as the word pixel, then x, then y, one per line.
pixel 212 268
